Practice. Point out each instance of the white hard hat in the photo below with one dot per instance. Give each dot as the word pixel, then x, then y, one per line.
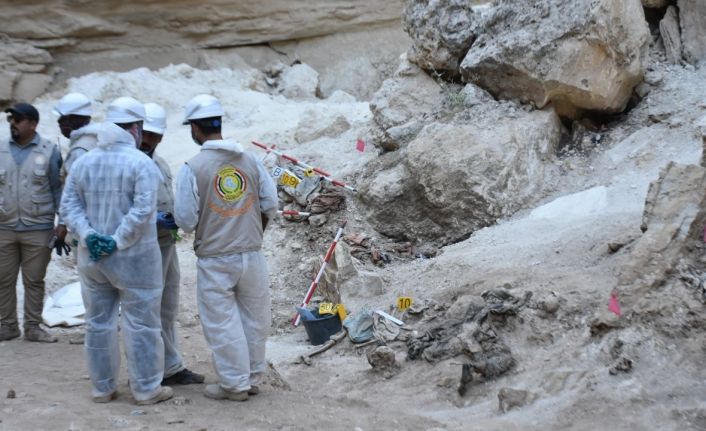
pixel 125 110
pixel 73 104
pixel 202 106
pixel 156 119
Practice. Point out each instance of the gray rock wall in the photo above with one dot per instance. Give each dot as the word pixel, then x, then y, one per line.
pixel 34 34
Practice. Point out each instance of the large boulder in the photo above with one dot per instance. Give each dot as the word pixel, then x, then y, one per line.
pixel 402 104
pixel 692 17
pixel 578 55
pixel 455 178
pixel 441 31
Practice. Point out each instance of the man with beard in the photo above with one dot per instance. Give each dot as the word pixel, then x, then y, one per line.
pixel 30 191
pixel 74 111
pixel 175 373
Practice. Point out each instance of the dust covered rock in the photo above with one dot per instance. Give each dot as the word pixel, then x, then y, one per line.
pixel 314 126
pixel 23 70
pixel 300 81
pixel 679 194
pixel 669 30
pixel 383 361
pixel 655 3
pixel 510 399
pixel 579 56
pixel 692 18
pixel 402 103
pixel 442 32
pixel 455 178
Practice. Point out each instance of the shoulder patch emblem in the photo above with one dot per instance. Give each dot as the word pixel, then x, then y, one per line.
pixel 230 184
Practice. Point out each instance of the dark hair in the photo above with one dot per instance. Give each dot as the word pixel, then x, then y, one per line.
pixel 208 126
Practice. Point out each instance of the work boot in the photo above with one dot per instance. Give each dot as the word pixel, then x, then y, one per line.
pixel 39 335
pixel 183 377
pixel 105 398
pixel 8 332
pixel 254 390
pixel 216 392
pixel 164 393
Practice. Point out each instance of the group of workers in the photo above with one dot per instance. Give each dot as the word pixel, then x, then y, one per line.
pixel 113 199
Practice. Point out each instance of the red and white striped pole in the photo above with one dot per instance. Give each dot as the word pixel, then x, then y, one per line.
pixel 293 213
pixel 315 283
pixel 325 175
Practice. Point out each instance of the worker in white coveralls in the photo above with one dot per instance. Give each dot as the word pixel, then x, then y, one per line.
pixel 110 203
pixel 75 111
pixel 175 373
pixel 226 195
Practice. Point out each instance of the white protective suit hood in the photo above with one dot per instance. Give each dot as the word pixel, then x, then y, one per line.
pixel 110 133
pixel 230 145
pixel 90 129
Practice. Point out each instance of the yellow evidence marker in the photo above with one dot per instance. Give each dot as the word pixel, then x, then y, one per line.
pixel 404 302
pixel 325 308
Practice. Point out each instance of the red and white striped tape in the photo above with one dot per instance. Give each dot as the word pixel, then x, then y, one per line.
pixel 325 175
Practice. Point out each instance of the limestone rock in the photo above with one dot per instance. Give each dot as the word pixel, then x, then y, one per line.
pixel 692 18
pixel 22 68
pixel 7 83
pixel 383 361
pixel 455 178
pixel 673 221
pixel 314 125
pixel 410 95
pixel 31 85
pixel 442 32
pixel 669 30
pixel 655 3
pixel 211 23
pixel 579 56
pixel 509 399
pixel 366 284
pixel 299 82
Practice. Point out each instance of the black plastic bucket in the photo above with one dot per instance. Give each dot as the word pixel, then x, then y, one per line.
pixel 320 330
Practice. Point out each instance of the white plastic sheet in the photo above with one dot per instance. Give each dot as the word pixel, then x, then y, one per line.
pixel 64 307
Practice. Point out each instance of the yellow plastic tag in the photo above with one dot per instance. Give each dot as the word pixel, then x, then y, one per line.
pixel 289 180
pixel 309 172
pixel 341 310
pixel 325 308
pixel 404 302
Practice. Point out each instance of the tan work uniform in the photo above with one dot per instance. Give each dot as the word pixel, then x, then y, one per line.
pixel 30 190
pixel 173 362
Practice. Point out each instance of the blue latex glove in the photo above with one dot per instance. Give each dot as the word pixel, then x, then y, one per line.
pixel 166 221
pixel 100 246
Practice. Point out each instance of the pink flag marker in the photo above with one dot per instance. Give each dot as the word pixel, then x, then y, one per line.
pixel 360 145
pixel 613 305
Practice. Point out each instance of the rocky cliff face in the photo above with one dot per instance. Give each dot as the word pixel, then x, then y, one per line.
pixel 34 35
